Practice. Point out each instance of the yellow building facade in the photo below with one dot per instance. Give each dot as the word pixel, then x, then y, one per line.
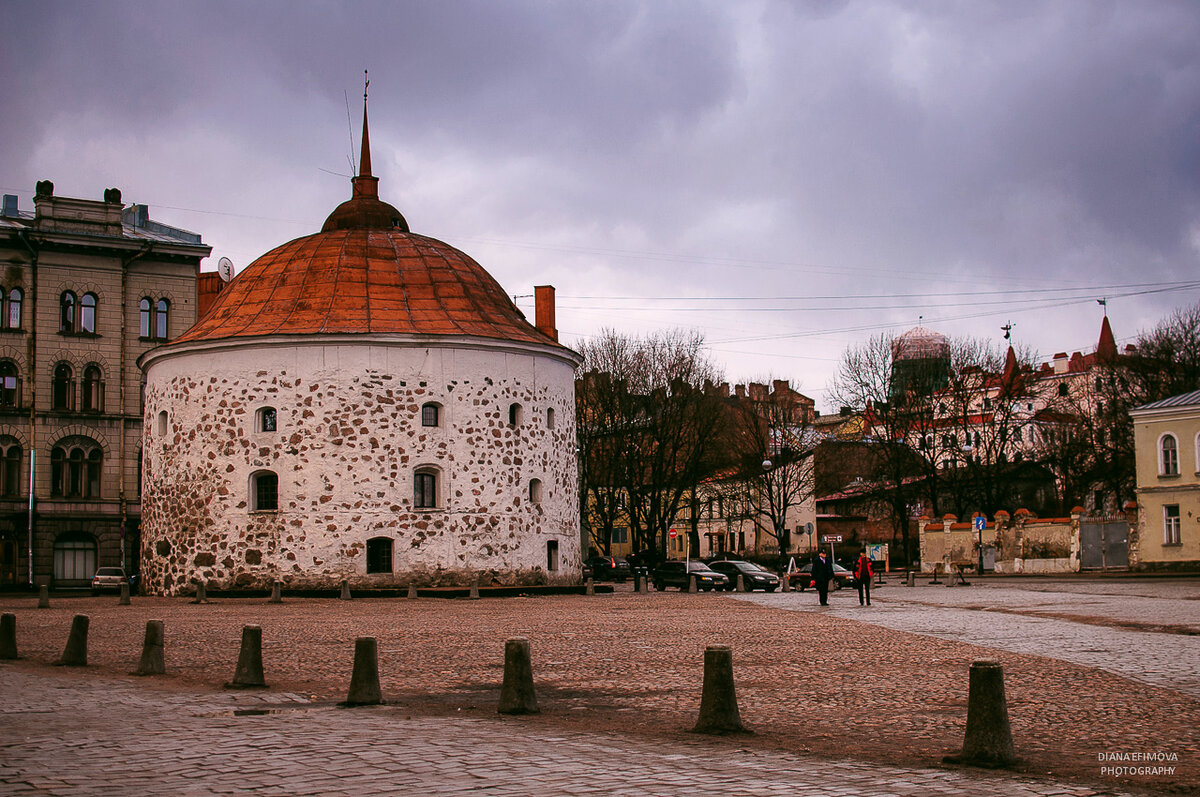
pixel 1167 445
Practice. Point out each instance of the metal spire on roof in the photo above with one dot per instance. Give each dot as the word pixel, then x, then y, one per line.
pixel 364 165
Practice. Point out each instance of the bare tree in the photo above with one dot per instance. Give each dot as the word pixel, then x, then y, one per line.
pixel 648 431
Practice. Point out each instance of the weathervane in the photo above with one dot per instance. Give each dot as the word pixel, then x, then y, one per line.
pixel 1103 303
pixel 1007 328
pixel 366 82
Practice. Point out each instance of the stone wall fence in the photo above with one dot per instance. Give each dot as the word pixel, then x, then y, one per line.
pixel 1023 542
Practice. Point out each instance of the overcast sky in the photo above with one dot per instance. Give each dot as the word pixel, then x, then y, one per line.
pixel 788 177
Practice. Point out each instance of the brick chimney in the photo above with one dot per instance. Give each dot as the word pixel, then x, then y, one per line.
pixel 543 297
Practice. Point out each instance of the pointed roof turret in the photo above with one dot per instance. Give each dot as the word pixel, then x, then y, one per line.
pixel 1106 349
pixel 1009 376
pixel 364 210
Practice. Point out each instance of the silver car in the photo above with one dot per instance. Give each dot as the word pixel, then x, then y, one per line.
pixel 108 578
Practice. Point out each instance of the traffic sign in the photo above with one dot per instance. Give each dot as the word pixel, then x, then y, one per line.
pixel 673 534
pixel 831 538
pixel 980 523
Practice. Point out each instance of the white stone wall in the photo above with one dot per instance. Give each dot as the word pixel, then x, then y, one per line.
pixel 348 442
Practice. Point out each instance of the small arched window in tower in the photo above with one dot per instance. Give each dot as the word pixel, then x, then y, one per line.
pixel 162 423
pixel 425 492
pixel 514 414
pixel 10 384
pixel 264 491
pixel 66 312
pixel 1062 389
pixel 431 414
pixel 12 313
pixel 535 491
pixel 267 420
pixel 1168 449
pixel 379 555
pixel 87 314
pixel 93 389
pixel 552 555
pixel 549 417
pixel 10 467
pixel 62 388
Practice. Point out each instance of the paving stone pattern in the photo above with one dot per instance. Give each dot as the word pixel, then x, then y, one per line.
pixel 623 671
pixel 61 740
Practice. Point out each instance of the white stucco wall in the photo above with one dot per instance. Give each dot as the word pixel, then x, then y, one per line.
pixel 347 444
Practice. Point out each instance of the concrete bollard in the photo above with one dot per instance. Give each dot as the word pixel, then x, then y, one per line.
pixel 516 693
pixel 785 584
pixel 912 578
pixel 637 582
pixel 124 599
pixel 741 583
pixel 43 597
pixel 201 593
pixel 152 650
pixel 364 682
pixel 988 740
pixel 692 587
pixel 718 702
pixel 8 636
pixel 589 587
pixel 475 589
pixel 75 654
pixel 249 673
pixel 412 592
pixel 276 592
pixel 345 590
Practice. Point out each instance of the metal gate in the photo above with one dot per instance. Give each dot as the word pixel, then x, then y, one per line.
pixel 1104 543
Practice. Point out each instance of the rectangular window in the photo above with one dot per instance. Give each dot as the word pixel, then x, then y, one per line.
pixel 620 535
pixel 1171 524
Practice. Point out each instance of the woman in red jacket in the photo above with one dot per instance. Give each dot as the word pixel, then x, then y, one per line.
pixel 862 577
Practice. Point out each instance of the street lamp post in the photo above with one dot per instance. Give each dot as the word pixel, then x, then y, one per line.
pixel 967 449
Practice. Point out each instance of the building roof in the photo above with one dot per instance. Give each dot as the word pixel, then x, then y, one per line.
pixel 1182 400
pixel 365 272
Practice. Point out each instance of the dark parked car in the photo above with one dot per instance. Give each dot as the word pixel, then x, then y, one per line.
pixel 108 578
pixel 753 576
pixel 608 568
pixel 679 574
pixel 801 579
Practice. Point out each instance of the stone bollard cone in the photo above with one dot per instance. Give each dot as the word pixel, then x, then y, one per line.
pixel 345 590
pixel 589 587
pixel 124 600
pixel 8 636
pixel 637 582
pixel 152 650
pixel 718 702
pixel 412 592
pixel 249 673
pixel 988 740
pixel 43 597
pixel 912 578
pixel 516 693
pixel 75 654
pixel 741 583
pixel 692 587
pixel 785 584
pixel 201 593
pixel 475 589
pixel 364 682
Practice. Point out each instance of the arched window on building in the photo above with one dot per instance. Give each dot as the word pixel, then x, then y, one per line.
pixel 161 312
pixel 266 420
pixel 10 384
pixel 76 467
pixel 10 467
pixel 535 491
pixel 514 414
pixel 12 310
pixel 379 555
pixel 1168 449
pixel 87 314
pixel 431 414
pixel 264 491
pixel 144 318
pixel 66 312
pixel 549 417
pixel 93 389
pixel 62 388
pixel 425 488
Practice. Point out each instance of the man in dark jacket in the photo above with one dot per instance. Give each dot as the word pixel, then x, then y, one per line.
pixel 822 571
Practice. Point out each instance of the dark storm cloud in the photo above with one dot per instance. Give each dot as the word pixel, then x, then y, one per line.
pixel 766 149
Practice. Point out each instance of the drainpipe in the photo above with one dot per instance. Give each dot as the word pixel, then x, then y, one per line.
pixel 125 264
pixel 31 371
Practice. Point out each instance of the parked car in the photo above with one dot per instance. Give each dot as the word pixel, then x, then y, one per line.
pixel 679 574
pixel 108 578
pixel 608 568
pixel 801 579
pixel 753 576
